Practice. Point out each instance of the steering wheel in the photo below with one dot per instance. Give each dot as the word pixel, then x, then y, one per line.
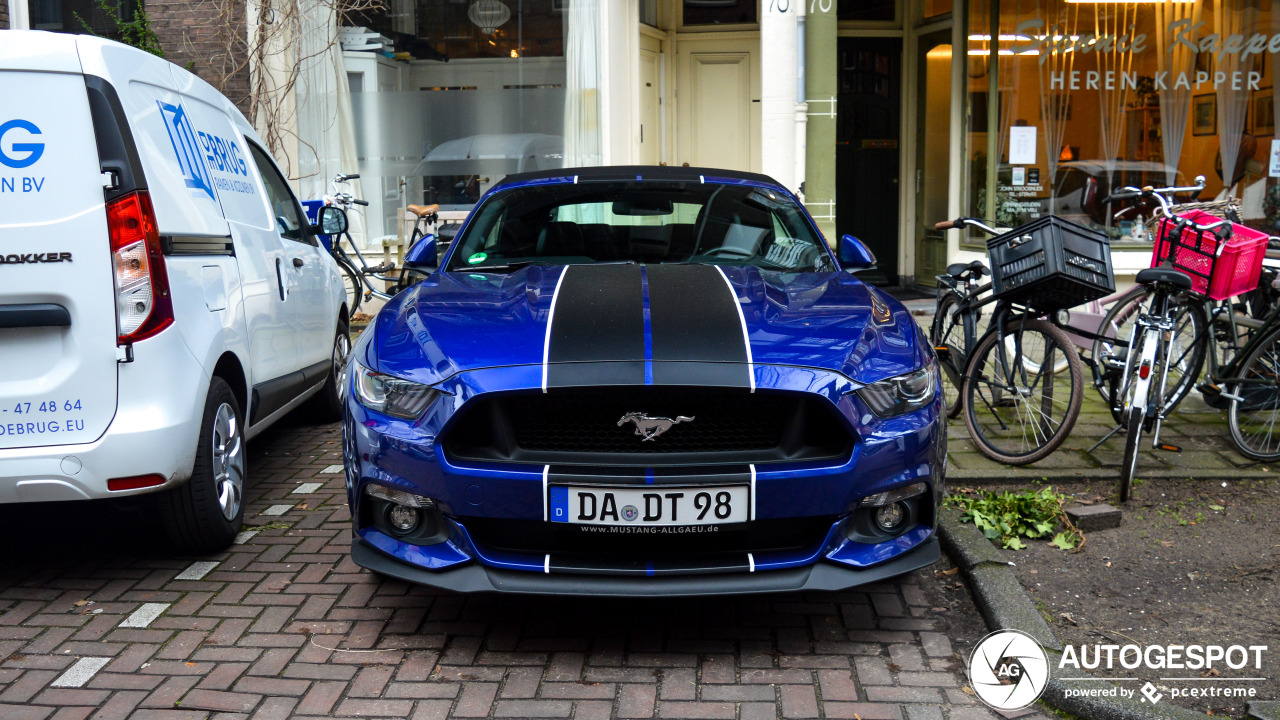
pixel 730 252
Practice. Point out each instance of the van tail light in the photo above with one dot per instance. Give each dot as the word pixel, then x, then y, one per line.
pixel 143 305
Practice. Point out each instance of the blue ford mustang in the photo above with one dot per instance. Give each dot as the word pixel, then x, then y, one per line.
pixel 643 381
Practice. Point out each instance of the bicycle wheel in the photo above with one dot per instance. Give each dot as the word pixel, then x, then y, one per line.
pixel 1116 325
pixel 1020 405
pixel 1188 342
pixel 1133 435
pixel 1254 417
pixel 948 331
pixel 351 283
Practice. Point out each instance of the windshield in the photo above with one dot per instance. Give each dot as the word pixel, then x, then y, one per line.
pixel 646 222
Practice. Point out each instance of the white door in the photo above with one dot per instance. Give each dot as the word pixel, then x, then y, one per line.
pixel 719 120
pixel 302 267
pixel 57 310
pixel 650 103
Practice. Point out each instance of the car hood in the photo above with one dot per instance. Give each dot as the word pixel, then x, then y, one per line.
pixel 675 316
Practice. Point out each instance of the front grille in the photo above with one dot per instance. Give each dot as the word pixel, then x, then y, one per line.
pixel 581 426
pixel 536 537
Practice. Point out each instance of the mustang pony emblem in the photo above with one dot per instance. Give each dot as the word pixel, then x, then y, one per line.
pixel 651 427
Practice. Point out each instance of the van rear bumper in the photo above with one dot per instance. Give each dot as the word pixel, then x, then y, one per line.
pixel 158 412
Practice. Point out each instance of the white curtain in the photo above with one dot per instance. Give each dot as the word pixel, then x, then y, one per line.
pixel 582 84
pixel 1112 101
pixel 1055 103
pixel 1175 102
pixel 326 132
pixel 1228 19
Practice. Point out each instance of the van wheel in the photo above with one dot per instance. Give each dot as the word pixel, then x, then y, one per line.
pixel 204 514
pixel 326 406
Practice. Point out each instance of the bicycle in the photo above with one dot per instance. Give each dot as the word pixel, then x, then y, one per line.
pixel 1141 397
pixel 358 285
pixel 1006 380
pixel 1107 344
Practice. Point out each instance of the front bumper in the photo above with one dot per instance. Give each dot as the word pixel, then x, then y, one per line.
pixel 478 578
pixel 465 553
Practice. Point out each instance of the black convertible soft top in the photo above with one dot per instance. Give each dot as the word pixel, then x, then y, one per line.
pixel 630 172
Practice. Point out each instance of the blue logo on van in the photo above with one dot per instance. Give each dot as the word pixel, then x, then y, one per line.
pixel 33 150
pixel 186 148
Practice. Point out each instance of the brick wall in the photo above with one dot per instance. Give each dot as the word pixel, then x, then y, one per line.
pixel 207 38
pixel 4 15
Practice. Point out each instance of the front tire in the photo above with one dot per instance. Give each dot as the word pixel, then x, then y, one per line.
pixel 204 514
pixel 1133 436
pixel 1022 423
pixel 327 404
pixel 948 332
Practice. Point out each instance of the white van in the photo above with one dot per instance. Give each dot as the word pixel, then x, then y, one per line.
pixel 162 297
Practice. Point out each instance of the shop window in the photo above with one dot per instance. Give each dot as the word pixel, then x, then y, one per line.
pixel 719 12
pixel 649 12
pixel 931 9
pixel 1070 101
pixel 867 10
pixel 82 16
pixel 462 94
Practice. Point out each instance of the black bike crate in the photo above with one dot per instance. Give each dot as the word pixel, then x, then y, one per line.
pixel 1051 264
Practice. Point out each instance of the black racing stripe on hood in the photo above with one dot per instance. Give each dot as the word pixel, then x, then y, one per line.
pixel 599 320
pixel 694 320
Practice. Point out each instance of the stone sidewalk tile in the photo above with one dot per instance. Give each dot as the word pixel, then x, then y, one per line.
pixel 285 627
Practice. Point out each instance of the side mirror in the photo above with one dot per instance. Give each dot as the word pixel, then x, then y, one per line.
pixel 422 254
pixel 331 220
pixel 854 255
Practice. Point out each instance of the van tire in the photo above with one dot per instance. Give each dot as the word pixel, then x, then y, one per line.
pixel 326 405
pixel 192 513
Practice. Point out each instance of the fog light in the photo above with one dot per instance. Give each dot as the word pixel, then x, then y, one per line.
pixel 403 518
pixel 890 517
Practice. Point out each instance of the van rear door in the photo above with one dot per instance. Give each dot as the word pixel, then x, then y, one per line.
pixel 57 296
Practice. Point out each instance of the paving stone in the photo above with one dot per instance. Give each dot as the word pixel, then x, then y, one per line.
pixel 285 627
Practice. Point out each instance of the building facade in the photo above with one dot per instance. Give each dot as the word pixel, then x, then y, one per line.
pixel 887 115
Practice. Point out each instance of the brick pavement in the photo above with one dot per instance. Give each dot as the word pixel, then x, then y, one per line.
pixel 98 621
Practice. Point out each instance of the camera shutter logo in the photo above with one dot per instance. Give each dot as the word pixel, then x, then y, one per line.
pixel 1008 670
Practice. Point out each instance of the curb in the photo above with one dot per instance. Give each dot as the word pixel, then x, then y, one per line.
pixel 1004 604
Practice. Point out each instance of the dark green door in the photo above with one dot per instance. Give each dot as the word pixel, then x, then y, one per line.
pixel 867 128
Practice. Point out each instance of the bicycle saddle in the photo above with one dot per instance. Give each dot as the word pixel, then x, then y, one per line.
pixel 423 210
pixel 1167 276
pixel 958 270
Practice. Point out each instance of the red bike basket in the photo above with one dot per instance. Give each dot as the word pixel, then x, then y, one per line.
pixel 1219 269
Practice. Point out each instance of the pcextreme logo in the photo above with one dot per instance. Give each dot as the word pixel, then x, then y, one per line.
pixel 19 154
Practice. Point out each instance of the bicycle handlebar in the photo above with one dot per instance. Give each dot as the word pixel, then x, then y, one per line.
pixel 963 222
pixel 360 202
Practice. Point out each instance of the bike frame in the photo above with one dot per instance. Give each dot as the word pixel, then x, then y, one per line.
pixel 1003 312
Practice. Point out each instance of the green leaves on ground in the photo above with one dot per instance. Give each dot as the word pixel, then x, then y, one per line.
pixel 1008 517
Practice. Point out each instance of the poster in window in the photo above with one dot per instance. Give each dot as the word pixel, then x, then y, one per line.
pixel 1204 114
pixel 1263 114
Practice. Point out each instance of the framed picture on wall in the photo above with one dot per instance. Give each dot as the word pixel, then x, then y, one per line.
pixel 1204 114
pixel 1262 114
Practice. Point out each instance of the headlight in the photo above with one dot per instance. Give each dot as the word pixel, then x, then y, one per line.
pixel 391 395
pixel 903 393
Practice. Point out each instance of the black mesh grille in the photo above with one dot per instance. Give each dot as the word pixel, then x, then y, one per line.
pixel 582 425
pixel 540 537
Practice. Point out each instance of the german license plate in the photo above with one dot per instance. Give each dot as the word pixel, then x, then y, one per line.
pixel 650 506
